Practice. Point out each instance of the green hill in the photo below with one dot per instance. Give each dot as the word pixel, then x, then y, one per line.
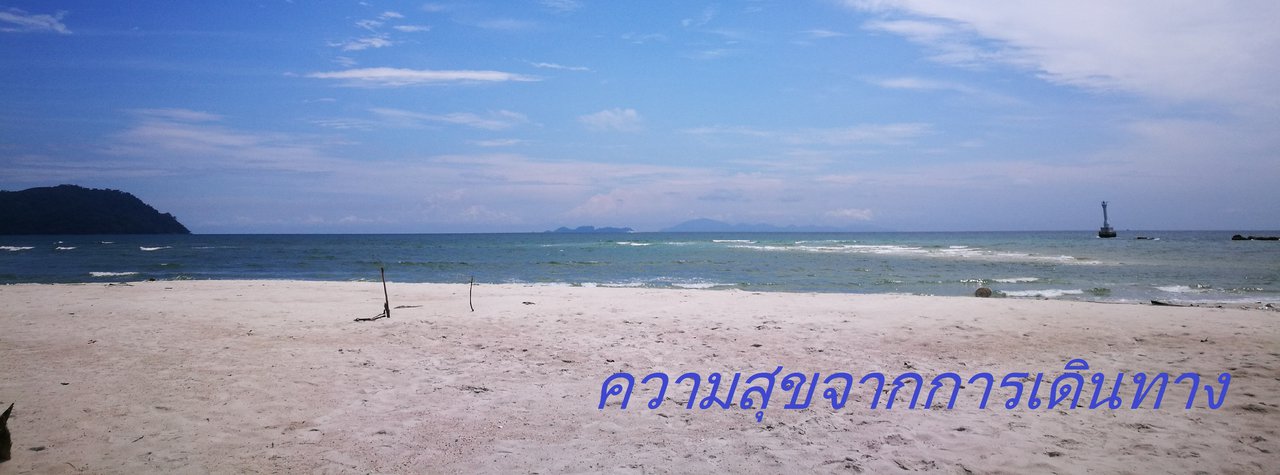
pixel 71 209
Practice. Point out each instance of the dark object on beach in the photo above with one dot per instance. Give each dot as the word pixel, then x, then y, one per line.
pixel 982 292
pixel 70 209
pixel 386 303
pixel 6 443
pixel 1106 231
pixel 469 289
pixel 1255 238
pixel 1160 303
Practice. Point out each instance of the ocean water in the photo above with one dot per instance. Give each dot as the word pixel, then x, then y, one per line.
pixel 1179 266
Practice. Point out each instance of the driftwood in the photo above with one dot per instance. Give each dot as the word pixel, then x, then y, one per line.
pixel 469 289
pixel 1167 304
pixel 6 444
pixel 386 303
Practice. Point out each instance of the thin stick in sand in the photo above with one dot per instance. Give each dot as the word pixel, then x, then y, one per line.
pixel 386 302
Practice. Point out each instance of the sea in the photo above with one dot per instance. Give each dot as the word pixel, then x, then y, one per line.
pixel 1188 267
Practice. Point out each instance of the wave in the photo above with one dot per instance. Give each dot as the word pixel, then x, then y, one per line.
pixel 951 252
pixel 64 248
pixel 111 274
pixel 16 248
pixel 1046 293
pixel 1018 280
pixel 629 243
pixel 742 241
pixel 1183 289
pixel 149 249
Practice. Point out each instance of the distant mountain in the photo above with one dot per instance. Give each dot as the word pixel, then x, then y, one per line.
pixel 704 225
pixel 71 209
pixel 590 230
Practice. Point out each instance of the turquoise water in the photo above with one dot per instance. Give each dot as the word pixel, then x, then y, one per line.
pixel 1183 266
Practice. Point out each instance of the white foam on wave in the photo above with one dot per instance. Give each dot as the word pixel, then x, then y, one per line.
pixel 629 243
pixel 16 248
pixel 149 249
pixel 1046 293
pixel 951 252
pixel 106 242
pixel 1018 280
pixel 111 274
pixel 64 248
pixel 742 241
pixel 697 285
pixel 1181 289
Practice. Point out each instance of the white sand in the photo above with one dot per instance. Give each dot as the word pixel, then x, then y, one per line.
pixel 247 376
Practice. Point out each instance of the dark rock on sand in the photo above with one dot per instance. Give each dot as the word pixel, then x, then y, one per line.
pixel 982 292
pixel 6 443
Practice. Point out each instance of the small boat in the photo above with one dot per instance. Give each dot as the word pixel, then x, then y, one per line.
pixel 1106 231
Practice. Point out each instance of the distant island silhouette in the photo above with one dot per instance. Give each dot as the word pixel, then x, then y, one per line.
pixel 71 209
pixel 590 230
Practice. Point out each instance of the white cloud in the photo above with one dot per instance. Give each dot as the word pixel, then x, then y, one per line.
pixel 412 28
pixel 498 143
pixel 708 14
pixel 559 66
pixel 395 77
pixel 360 44
pixel 622 120
pixel 852 214
pixel 642 38
pixel 182 115
pixel 1215 52
pixel 921 84
pixel 506 24
pixel 884 134
pixel 371 25
pixel 185 141
pixel 14 20
pixel 497 120
pixel 388 15
pixel 562 6
pixel 819 33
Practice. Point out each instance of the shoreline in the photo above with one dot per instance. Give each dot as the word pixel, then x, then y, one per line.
pixel 222 376
pixel 1240 304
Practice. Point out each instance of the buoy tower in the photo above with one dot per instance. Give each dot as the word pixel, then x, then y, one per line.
pixel 1106 231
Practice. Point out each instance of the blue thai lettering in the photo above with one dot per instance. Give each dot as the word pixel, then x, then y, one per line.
pixel 838 399
pixel 1113 401
pixel 662 391
pixel 714 380
pixel 937 384
pixel 986 393
pixel 693 393
pixel 879 387
pixel 617 389
pixel 1140 395
pixel 789 383
pixel 1063 387
pixel 765 392
pixel 899 384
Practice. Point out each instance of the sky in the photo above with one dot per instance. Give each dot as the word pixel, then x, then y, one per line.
pixel 426 117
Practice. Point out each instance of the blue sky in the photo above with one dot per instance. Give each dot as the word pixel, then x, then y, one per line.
pixel 374 116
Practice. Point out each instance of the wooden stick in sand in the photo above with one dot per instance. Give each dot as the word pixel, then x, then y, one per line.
pixel 386 302
pixel 472 286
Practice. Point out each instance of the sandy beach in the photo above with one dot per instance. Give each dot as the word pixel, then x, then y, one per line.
pixel 276 377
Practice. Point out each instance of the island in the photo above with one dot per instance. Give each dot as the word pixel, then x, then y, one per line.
pixel 591 230
pixel 72 209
